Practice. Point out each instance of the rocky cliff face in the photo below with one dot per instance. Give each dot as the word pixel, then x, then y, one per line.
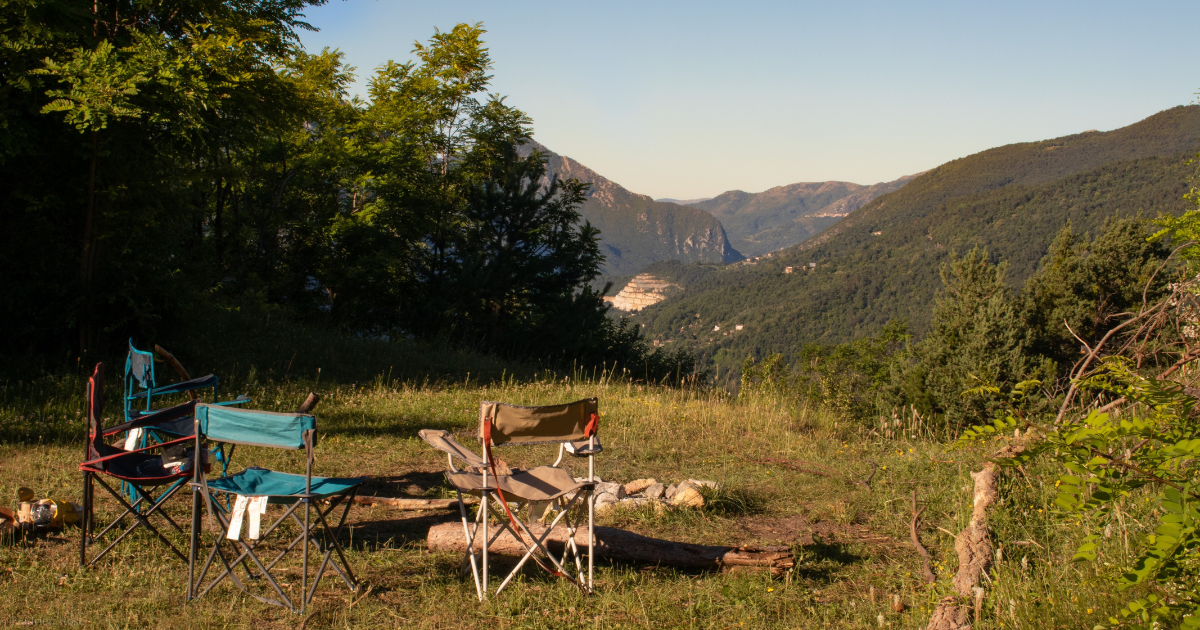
pixel 636 230
pixel 644 290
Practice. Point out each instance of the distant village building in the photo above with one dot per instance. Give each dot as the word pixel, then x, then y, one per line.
pixel 787 270
pixel 739 327
pixel 716 328
pixel 812 265
pixel 876 233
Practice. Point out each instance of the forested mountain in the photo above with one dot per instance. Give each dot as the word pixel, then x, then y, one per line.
pixel 636 230
pixel 881 262
pixel 763 222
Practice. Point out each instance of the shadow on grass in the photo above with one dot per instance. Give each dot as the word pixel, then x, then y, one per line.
pixel 820 560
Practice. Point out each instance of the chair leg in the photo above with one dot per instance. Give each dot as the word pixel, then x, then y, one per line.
pixel 348 576
pixel 86 520
pixel 462 510
pixel 142 520
pixel 538 544
pixel 483 505
pixel 193 541
pixel 304 571
pixel 591 533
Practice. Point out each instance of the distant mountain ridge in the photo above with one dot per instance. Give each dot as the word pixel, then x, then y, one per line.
pixel 757 223
pixel 636 230
pixel 881 262
pixel 683 202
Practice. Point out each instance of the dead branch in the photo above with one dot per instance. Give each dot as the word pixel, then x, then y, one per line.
pixel 170 360
pixel 309 403
pixel 926 569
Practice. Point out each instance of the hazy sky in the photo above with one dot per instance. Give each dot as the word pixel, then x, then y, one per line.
pixel 690 99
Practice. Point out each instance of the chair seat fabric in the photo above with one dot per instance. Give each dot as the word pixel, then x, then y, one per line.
pixel 263 482
pixel 537 484
pixel 143 469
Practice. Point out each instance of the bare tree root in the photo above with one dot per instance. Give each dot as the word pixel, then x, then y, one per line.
pixel 949 616
pixel 926 569
pixel 973 546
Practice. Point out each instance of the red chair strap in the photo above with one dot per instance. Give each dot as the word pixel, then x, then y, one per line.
pixel 487 447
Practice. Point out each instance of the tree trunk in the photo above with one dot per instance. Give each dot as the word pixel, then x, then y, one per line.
pixel 87 257
pixel 618 544
pixel 218 220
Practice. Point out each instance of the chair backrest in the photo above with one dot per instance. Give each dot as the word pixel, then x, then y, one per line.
pixel 256 428
pixel 514 424
pixel 95 413
pixel 139 367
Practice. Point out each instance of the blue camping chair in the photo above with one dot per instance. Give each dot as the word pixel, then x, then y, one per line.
pixel 253 490
pixel 139 471
pixel 139 373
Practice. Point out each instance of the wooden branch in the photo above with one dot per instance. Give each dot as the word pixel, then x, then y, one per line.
pixel 626 546
pixel 309 403
pixel 170 360
pixel 926 570
pixel 1111 405
pixel 413 504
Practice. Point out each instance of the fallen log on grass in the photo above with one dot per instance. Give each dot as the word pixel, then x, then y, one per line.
pixel 412 504
pixel 625 546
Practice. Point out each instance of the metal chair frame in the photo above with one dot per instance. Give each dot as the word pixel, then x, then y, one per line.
pixel 327 543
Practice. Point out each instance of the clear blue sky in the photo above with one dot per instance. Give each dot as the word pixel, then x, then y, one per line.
pixel 690 99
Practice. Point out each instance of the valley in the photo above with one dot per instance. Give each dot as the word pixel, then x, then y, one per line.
pixel 881 262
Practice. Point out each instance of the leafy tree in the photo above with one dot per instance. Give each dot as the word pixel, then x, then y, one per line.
pixel 523 258
pixel 156 156
pixel 105 106
pixel 1084 288
pixel 976 337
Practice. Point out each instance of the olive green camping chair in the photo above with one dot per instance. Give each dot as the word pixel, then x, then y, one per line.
pixel 546 490
pixel 304 499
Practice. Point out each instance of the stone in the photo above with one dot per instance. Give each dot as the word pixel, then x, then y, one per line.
pixel 705 483
pixel 615 489
pixel 639 502
pixel 637 485
pixel 654 491
pixel 606 501
pixel 687 496
pixel 670 492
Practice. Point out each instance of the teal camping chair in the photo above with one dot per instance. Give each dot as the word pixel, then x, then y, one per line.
pixel 141 389
pixel 252 491
pixel 139 375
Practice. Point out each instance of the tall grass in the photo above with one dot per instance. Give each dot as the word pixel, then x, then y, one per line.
pixel 849 539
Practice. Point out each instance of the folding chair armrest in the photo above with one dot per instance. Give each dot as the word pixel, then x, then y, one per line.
pixel 240 400
pixel 444 441
pixel 151 419
pixel 138 450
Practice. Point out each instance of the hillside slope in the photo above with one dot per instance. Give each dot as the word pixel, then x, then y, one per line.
pixel 636 230
pixel 1011 200
pixel 758 223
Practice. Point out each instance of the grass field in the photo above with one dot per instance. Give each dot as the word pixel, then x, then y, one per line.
pixel 848 539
